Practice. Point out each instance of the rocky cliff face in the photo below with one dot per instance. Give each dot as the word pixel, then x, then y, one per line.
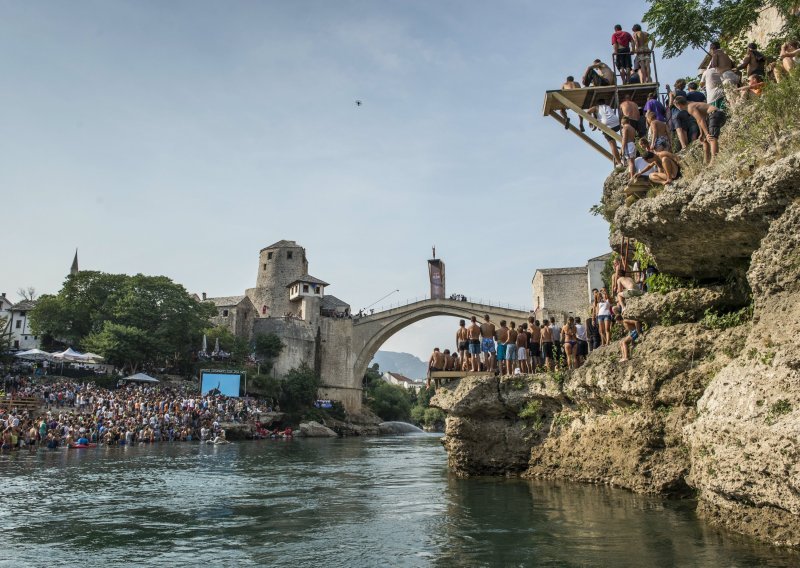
pixel 697 410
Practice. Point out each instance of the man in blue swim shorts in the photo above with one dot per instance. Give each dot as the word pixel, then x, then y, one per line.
pixel 487 342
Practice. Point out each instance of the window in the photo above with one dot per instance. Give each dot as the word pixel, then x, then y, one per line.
pixel 316 289
pixel 269 256
pixel 289 254
pixel 265 266
pixel 305 288
pixel 224 313
pixel 19 324
pixel 16 344
pixel 264 309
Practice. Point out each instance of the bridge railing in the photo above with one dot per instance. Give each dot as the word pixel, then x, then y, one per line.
pixel 459 298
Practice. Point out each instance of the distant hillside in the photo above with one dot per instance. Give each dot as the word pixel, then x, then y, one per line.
pixel 403 363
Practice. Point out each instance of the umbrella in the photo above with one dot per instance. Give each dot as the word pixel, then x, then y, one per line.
pixel 216 347
pixel 71 355
pixel 34 355
pixel 141 378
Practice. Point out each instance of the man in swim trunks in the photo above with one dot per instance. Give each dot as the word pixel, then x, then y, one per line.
pixel 533 342
pixel 643 49
pixel 511 348
pixel 598 74
pixel 462 339
pixel 659 135
pixel 522 348
pixel 502 339
pixel 621 41
pixel 475 344
pixel 435 364
pixel 628 144
pixel 630 109
pixel 547 346
pixel 634 329
pixel 555 333
pixel 569 84
pixel 488 332
pixel 669 168
pixel 710 119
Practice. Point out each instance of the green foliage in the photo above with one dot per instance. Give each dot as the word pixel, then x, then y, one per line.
pixel 530 410
pixel 267 345
pixel 608 271
pixel 715 320
pixel 679 25
pixel 105 311
pixel 236 346
pixel 299 388
pixel 390 402
pixel 643 256
pixel 427 417
pixel 663 283
pixel 6 336
pixel 781 407
pixel 266 385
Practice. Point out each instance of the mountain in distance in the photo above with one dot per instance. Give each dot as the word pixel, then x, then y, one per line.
pixel 402 363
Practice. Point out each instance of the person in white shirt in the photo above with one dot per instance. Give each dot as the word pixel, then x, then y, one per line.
pixel 712 83
pixel 608 117
pixel 583 342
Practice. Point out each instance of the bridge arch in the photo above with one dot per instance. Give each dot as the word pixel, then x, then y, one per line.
pixel 373 331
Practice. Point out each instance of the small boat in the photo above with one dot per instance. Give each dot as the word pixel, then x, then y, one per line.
pixel 81 446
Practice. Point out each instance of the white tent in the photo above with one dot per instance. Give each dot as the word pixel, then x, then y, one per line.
pixel 140 378
pixel 71 355
pixel 34 355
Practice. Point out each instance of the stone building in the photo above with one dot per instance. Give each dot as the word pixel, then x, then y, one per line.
pixel 564 292
pixel 237 313
pixel 315 328
pixel 19 323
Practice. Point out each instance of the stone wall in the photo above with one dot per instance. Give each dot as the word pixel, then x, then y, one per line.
pixel 561 292
pixel 337 360
pixel 275 272
pixel 298 339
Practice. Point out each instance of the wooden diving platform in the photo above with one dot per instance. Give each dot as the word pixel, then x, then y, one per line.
pixel 580 100
pixel 460 374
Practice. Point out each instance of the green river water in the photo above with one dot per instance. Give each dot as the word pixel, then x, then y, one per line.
pixel 345 502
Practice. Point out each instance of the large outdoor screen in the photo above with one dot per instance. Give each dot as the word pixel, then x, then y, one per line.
pixel 226 383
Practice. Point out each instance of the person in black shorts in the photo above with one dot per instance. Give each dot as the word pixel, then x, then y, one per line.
pixel 621 41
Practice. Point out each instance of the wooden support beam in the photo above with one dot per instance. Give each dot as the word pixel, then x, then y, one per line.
pixel 583 136
pixel 586 116
pixel 459 374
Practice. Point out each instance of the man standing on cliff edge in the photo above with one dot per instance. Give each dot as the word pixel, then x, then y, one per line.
pixel 487 342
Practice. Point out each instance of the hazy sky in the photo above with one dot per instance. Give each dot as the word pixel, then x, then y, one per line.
pixel 181 137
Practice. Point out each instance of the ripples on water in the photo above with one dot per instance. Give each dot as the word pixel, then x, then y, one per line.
pixel 351 502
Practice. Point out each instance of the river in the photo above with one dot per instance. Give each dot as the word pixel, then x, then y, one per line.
pixel 345 502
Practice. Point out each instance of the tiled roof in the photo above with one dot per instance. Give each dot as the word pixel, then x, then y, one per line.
pixel 226 300
pixel 332 302
pixel 570 270
pixel 283 244
pixel 306 279
pixel 399 377
pixel 23 306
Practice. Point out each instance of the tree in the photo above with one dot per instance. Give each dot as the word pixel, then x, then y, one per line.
pixel 236 346
pixel 299 388
pixel 6 336
pixel 390 402
pixel 679 25
pixel 267 345
pixel 28 293
pixel 140 307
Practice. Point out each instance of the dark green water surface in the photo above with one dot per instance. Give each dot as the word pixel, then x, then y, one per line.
pixel 351 502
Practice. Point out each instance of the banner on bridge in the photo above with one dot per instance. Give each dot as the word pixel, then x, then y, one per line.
pixel 436 273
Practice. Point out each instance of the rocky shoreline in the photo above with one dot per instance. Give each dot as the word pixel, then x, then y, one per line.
pixel 701 410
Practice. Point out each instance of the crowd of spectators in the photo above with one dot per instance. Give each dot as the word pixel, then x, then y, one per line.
pixel 70 412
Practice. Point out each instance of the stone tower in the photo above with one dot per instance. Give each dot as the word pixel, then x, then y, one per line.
pixel 279 265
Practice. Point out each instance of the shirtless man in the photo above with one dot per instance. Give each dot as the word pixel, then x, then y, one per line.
pixel 522 349
pixel 435 363
pixel 475 344
pixel 790 52
pixel 462 339
pixel 710 119
pixel 547 346
pixel 669 169
pixel 630 109
pixel 571 83
pixel 533 342
pixel 659 135
pixel 643 49
pixel 502 339
pixel 626 287
pixel 628 144
pixel 598 74
pixel 634 329
pixel 511 348
pixel 488 332
pixel 448 361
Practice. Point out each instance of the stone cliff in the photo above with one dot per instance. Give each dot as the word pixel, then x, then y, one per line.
pixel 703 408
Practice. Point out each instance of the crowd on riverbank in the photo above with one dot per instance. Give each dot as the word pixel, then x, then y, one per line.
pixel 71 413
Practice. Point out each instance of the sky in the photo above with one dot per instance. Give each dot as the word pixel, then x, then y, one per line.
pixel 180 138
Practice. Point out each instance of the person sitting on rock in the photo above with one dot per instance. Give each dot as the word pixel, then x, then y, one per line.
pixel 435 364
pixel 633 329
pixel 626 288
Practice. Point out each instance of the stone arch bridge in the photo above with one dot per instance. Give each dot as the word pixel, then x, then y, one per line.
pixel 372 331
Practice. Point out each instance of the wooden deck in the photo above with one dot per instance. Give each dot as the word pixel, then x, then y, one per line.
pixel 580 100
pixel 31 403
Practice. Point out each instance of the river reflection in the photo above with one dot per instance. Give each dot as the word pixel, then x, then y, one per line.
pixel 355 502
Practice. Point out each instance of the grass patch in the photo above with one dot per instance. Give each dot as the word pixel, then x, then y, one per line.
pixel 716 320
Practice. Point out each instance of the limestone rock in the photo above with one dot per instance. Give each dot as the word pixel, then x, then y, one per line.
pixel 684 305
pixel 316 430
pixel 706 228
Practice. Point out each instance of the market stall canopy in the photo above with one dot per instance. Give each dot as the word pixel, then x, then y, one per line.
pixel 71 355
pixel 140 378
pixel 34 355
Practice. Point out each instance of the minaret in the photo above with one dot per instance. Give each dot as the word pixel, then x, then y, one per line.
pixel 74 269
